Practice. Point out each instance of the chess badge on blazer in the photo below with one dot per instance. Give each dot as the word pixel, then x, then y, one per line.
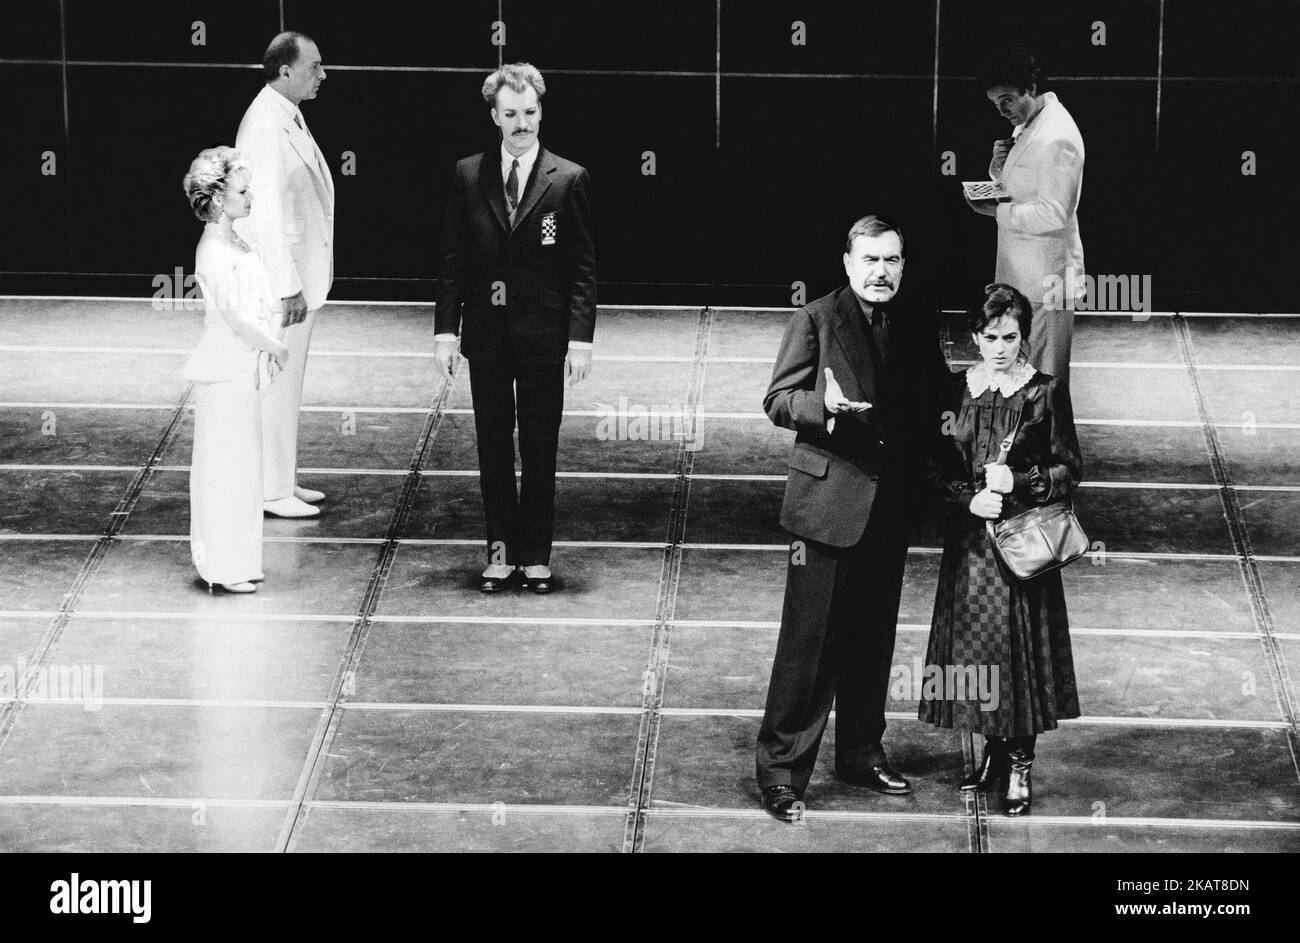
pixel 548 229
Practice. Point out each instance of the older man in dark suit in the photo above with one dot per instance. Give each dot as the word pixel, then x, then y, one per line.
pixel 858 380
pixel 518 283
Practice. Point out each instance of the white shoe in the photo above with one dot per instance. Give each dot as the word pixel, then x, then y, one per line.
pixel 309 495
pixel 244 587
pixel 289 507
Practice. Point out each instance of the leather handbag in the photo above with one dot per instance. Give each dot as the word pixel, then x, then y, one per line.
pixel 1038 540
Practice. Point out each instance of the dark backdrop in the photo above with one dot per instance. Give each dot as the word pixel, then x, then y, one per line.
pixel 765 151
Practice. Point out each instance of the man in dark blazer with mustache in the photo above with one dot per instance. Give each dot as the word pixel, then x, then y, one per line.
pixel 858 379
pixel 518 284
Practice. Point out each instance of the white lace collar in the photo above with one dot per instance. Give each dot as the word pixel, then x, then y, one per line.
pixel 980 379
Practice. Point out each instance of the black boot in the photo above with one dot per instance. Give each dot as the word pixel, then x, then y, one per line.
pixel 992 767
pixel 1020 760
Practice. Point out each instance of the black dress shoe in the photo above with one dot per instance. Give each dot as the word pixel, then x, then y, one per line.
pixel 880 777
pixel 785 802
pixel 540 584
pixel 494 584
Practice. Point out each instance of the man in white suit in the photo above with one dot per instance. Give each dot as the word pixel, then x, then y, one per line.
pixel 293 223
pixel 1041 167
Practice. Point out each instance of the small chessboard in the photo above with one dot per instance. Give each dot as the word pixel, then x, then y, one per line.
pixel 984 190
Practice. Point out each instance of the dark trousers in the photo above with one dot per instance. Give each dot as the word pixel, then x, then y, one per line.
pixel 836 645
pixel 520 521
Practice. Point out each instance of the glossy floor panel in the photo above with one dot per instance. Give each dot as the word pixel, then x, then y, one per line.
pixel 104 377
pixel 708 763
pixel 588 444
pixel 462 756
pixel 1258 455
pixel 757 832
pixel 60 502
pixel 98 322
pixel 1148 676
pixel 355 506
pixel 614 386
pixel 501 829
pixel 208 659
pixel 595 583
pixel 43 435
pixel 185 827
pixel 19 639
pixel 1245 340
pixel 632 510
pixel 1273 521
pixel 37 574
pixel 1183 772
pixel 1241 397
pixel 157 576
pixel 1099 836
pixel 187 752
pixel 334 439
pixel 461 663
pixel 1282 591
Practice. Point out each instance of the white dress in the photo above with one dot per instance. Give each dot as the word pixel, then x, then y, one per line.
pixel 226 470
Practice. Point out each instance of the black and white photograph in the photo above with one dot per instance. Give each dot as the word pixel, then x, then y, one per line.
pixel 707 426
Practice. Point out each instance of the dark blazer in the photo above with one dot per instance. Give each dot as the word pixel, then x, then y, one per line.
pixel 547 264
pixel 834 476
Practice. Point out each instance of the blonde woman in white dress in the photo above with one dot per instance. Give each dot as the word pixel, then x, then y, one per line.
pixel 238 353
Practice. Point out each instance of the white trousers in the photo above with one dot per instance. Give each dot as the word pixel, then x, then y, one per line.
pixel 281 402
pixel 226 481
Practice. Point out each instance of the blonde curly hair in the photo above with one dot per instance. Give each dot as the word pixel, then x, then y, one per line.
pixel 205 183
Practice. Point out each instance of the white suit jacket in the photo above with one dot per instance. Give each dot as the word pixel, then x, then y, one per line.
pixel 292 220
pixel 1038 231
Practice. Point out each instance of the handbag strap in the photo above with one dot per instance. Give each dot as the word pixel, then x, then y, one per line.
pixel 1005 449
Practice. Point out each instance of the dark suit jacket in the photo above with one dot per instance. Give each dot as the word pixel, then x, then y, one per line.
pixel 549 286
pixel 834 476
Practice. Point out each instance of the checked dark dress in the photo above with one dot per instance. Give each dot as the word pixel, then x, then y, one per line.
pixel 983 615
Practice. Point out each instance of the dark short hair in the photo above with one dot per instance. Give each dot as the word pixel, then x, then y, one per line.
pixel 874 226
pixel 1015 66
pixel 1002 300
pixel 284 50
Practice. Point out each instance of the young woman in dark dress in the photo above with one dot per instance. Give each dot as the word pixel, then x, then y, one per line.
pixel 1014 633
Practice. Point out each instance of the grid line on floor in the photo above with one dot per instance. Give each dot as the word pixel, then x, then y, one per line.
pixel 349 665
pixel 1240 533
pixel 656 673
pixel 117 518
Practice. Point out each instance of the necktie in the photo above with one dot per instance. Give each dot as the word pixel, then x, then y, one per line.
pixel 512 189
pixel 320 159
pixel 880 353
pixel 880 334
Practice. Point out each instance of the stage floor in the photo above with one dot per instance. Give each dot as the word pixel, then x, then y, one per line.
pixel 368 698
